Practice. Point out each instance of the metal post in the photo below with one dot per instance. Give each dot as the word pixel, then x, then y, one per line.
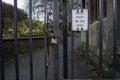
pixel 30 39
pixel 115 15
pixel 65 57
pixel 1 45
pixel 16 40
pixel 56 29
pixel 45 42
pixel 87 2
pixel 72 45
pixel 100 38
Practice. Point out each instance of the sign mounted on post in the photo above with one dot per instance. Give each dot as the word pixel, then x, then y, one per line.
pixel 79 20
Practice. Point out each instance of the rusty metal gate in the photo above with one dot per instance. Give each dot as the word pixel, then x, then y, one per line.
pixel 64 34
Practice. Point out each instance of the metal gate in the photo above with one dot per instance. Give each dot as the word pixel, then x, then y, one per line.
pixel 64 34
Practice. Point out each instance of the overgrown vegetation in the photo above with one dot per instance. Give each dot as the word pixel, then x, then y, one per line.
pixel 106 73
pixel 81 49
pixel 23 27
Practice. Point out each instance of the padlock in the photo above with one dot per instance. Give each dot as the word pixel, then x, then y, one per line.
pixel 54 40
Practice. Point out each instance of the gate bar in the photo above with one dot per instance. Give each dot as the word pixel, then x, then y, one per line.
pixel 16 41
pixel 30 39
pixel 72 52
pixel 1 45
pixel 65 57
pixel 45 42
pixel 47 46
pixel 72 45
pixel 100 39
pixel 56 29
pixel 115 15
pixel 87 6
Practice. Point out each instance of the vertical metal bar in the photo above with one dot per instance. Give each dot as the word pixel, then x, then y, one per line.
pixel 100 38
pixel 72 52
pixel 45 42
pixel 87 54
pixel 115 2
pixel 30 39
pixel 47 51
pixel 47 46
pixel 1 45
pixel 72 45
pixel 65 57
pixel 87 41
pixel 56 28
pixel 16 40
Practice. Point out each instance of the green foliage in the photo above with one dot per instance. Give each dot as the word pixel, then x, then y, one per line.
pixel 37 24
pixel 81 49
pixel 8 19
pixel 49 24
pixel 7 27
pixel 7 22
pixel 23 28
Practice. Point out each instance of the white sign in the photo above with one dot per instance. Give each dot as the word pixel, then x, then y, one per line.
pixel 79 20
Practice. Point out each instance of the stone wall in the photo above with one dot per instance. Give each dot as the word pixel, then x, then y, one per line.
pixel 23 45
pixel 107 36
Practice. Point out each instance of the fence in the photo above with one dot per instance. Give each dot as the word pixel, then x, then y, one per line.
pixel 56 29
